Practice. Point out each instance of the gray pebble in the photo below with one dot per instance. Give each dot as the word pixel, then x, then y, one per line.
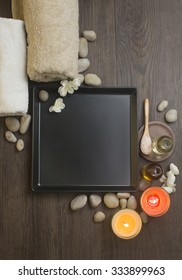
pixel 94 200
pixel 78 202
pixel 43 95
pixel 24 123
pixel 99 217
pixel 90 35
pixel 111 200
pixel 132 202
pixel 162 105
pixel 20 145
pixel 83 47
pixel 144 217
pixel 143 185
pixel 12 124
pixel 171 116
pixel 123 195
pixel 123 203
pixel 83 64
pixel 10 137
pixel 92 80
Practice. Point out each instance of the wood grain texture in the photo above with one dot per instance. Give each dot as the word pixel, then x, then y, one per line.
pixel 138 44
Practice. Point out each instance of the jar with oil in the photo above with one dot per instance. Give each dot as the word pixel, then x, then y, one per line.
pixel 152 171
pixel 162 145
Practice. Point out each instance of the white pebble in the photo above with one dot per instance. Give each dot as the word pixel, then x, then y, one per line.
pixel 90 35
pixel 83 64
pixel 132 202
pixel 20 145
pixel 162 105
pixel 10 137
pixel 83 47
pixel 123 203
pixel 92 80
pixel 24 123
pixel 12 124
pixel 111 200
pixel 78 202
pixel 123 195
pixel 99 217
pixel 94 200
pixel 43 95
pixel 171 116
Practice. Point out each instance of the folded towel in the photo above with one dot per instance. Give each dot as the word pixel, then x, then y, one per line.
pixel 17 9
pixel 52 31
pixel 13 77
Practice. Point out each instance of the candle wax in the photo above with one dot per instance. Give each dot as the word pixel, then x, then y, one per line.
pixel 155 201
pixel 126 223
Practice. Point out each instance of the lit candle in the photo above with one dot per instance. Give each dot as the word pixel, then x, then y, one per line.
pixel 126 224
pixel 155 201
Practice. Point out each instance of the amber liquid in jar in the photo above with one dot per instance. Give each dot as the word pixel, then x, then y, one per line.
pixel 152 171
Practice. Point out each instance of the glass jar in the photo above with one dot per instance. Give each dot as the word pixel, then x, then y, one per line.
pixel 162 145
pixel 152 171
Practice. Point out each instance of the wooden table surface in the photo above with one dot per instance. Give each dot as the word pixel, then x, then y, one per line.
pixel 139 44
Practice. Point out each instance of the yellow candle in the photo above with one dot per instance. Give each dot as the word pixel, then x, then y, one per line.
pixel 126 224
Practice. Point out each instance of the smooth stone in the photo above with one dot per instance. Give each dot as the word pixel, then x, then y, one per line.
pixel 144 217
pixel 123 203
pixel 143 185
pixel 90 35
pixel 43 95
pixel 12 124
pixel 83 47
pixel 83 64
pixel 24 123
pixel 80 77
pixel 92 80
pixel 111 200
pixel 94 200
pixel 20 145
pixel 123 195
pixel 99 217
pixel 162 105
pixel 171 116
pixel 132 202
pixel 10 137
pixel 78 202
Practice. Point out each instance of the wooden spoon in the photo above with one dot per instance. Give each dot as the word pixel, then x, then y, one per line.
pixel 146 142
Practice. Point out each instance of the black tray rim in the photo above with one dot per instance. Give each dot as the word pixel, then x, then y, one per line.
pixel 37 187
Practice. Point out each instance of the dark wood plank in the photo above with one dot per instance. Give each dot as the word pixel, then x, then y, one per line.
pixel 138 44
pixel 149 58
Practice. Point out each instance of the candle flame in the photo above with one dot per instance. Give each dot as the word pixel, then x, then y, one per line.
pixel 126 224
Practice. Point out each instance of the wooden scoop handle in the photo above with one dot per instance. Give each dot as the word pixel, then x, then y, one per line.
pixel 146 109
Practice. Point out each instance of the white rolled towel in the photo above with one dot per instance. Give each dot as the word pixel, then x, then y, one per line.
pixel 13 77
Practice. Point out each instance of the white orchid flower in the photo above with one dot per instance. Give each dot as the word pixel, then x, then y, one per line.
pixel 69 86
pixel 58 106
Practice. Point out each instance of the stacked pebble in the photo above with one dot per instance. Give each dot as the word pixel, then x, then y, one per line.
pixel 14 125
pixel 171 115
pixel 84 63
pixel 111 201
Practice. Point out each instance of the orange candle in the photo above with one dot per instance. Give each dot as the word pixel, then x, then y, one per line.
pixel 155 201
pixel 126 224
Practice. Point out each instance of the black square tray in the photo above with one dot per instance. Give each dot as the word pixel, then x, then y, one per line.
pixel 90 146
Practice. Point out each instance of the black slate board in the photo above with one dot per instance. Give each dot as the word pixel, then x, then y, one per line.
pixel 90 146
